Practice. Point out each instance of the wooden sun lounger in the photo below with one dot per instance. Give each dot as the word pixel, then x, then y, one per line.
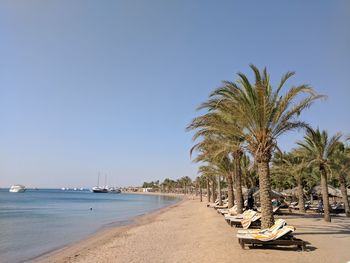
pixel 281 237
pixel 254 224
pixel 288 241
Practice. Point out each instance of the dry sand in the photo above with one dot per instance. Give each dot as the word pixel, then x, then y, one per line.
pixel 191 232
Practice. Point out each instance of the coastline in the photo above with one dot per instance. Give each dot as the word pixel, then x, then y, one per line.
pixel 158 194
pixel 105 234
pixel 188 231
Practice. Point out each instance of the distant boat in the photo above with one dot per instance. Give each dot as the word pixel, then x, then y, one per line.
pixel 114 190
pixel 17 188
pixel 98 189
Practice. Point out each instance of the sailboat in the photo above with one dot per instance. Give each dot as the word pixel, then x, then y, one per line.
pixel 98 189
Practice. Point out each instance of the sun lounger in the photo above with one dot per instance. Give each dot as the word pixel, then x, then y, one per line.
pixel 279 223
pixel 280 237
pixel 293 205
pixel 249 222
pixel 228 217
pixel 229 211
pixel 224 206
pixel 245 220
pixel 275 209
pixel 213 204
pixel 216 204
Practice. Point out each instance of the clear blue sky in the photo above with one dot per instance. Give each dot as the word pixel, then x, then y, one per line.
pixel 110 86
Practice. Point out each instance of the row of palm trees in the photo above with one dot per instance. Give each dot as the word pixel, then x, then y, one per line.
pixel 316 157
pixel 244 119
pixel 181 185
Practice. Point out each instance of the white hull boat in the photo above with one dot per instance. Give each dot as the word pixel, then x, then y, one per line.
pixel 17 188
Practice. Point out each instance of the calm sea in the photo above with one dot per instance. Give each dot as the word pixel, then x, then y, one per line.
pixel 38 221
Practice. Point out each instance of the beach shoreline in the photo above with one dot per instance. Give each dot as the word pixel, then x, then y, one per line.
pixel 62 254
pixel 188 231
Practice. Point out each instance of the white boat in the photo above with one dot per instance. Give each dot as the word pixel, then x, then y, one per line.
pixel 98 189
pixel 114 190
pixel 17 188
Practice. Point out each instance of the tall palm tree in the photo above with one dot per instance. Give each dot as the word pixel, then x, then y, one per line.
pixel 225 167
pixel 264 114
pixel 218 123
pixel 207 172
pixel 204 171
pixel 186 181
pixel 198 186
pixel 341 167
pixel 318 149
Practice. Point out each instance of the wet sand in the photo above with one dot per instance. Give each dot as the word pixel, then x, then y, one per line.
pixel 191 232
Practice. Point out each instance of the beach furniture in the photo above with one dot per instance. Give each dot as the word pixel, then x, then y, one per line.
pixel 280 237
pixel 239 216
pixel 275 209
pixel 279 223
pixel 337 208
pixel 229 211
pixel 293 205
pixel 213 204
pixel 223 206
pixel 245 220
pixel 216 204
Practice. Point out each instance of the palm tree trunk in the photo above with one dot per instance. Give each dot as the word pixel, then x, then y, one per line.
pixel 230 191
pixel 208 191
pixel 213 190
pixel 238 182
pixel 344 194
pixel 267 219
pixel 300 194
pixel 219 190
pixel 200 192
pixel 324 188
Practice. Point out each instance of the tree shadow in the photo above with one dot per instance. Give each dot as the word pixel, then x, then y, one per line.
pixel 339 226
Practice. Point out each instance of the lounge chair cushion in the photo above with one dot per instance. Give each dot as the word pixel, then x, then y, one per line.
pixel 268 236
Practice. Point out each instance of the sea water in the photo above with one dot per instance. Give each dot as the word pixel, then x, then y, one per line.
pixel 38 221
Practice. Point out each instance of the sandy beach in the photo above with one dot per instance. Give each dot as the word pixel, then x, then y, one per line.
pixel 191 232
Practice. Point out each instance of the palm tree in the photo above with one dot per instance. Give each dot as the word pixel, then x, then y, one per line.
pixel 219 124
pixel 293 165
pixel 225 167
pixel 249 176
pixel 198 182
pixel 185 181
pixel 318 149
pixel 264 114
pixel 341 167
pixel 207 172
